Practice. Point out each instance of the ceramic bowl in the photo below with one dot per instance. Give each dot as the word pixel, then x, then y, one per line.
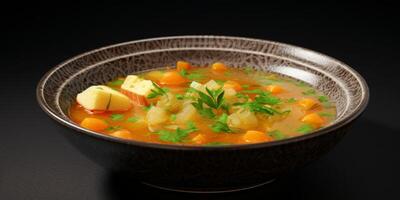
pixel 203 169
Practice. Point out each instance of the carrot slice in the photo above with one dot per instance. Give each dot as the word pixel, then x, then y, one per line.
pixel 253 136
pixel 124 134
pixel 172 78
pixel 94 124
pixel 307 103
pixel 233 84
pixel 219 67
pixel 274 89
pixel 180 65
pixel 314 119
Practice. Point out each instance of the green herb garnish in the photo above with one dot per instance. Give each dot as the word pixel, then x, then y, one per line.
pixel 216 144
pixel 116 117
pixel 291 100
pixel 325 114
pixel 221 124
pixel 172 117
pixel 205 112
pixel 133 119
pixel 323 99
pixel 245 86
pixel 248 70
pixel 277 135
pixel 220 82
pixel 157 91
pixel 309 92
pixel 179 96
pixel 117 82
pixel 191 76
pixel 304 129
pixel 147 108
pixel 178 135
pixel 113 128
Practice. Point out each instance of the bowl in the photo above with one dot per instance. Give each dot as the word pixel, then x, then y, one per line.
pixel 197 168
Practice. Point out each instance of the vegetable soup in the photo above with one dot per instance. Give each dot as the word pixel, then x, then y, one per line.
pixel 212 105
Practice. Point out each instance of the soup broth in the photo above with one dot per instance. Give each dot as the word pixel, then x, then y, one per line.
pixel 211 105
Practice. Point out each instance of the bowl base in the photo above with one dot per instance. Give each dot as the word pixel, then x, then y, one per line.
pixel 207 190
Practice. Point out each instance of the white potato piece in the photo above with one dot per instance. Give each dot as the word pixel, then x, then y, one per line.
pixel 100 97
pixel 156 117
pixel 188 113
pixel 169 102
pixel 242 119
pixel 137 85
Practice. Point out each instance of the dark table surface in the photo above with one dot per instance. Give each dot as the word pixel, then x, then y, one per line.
pixel 37 163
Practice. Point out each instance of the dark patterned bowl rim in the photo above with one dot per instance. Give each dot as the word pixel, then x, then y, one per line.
pixel 349 118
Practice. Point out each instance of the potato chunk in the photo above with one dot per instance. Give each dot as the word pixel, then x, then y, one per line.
pixel 101 97
pixel 156 117
pixel 137 85
pixel 242 119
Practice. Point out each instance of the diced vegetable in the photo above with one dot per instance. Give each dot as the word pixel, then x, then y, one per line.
pixel 124 134
pixel 219 67
pixel 156 117
pixel 277 135
pixel 103 98
pixel 172 78
pixel 242 119
pixel 200 139
pixel 169 102
pixel 233 84
pixel 314 119
pixel 137 85
pixel 212 85
pixel 274 89
pixel 94 124
pixel 253 136
pixel 180 65
pixel 154 76
pixel 188 113
pixel 307 103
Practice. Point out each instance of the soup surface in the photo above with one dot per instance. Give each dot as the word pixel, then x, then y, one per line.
pixel 212 105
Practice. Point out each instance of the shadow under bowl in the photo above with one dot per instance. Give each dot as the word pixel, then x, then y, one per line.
pixel 203 169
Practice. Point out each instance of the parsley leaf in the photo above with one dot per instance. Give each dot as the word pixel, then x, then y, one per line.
pixel 221 124
pixel 304 129
pixel 291 100
pixel 113 128
pixel 178 135
pixel 277 135
pixel 179 96
pixel 245 86
pixel 191 76
pixel 157 91
pixel 325 114
pixel 116 117
pixel 205 112
pixel 309 92
pixel 133 119
pixel 147 108
pixel 216 144
pixel 117 82
pixel 323 99
pixel 172 117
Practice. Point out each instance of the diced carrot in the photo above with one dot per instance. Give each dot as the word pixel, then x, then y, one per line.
pixel 154 76
pixel 136 99
pixel 172 78
pixel 219 67
pixel 94 124
pixel 180 65
pixel 233 84
pixel 274 89
pixel 200 139
pixel 307 103
pixel 124 134
pixel 313 119
pixel 256 136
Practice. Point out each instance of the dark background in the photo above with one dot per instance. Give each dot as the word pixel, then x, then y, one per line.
pixel 37 163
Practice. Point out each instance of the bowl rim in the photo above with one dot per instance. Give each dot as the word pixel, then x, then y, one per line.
pixel 351 117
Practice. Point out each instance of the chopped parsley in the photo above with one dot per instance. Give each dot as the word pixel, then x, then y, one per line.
pixel 172 117
pixel 216 144
pixel 179 96
pixel 113 128
pixel 309 92
pixel 147 108
pixel 157 91
pixel 277 135
pixel 325 114
pixel 245 86
pixel 305 128
pixel 117 82
pixel 178 135
pixel 323 99
pixel 117 117
pixel 133 119
pixel 221 124
pixel 291 100
pixel 192 75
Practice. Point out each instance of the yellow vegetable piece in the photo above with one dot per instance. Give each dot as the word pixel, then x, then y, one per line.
pixel 124 134
pixel 233 84
pixel 94 124
pixel 102 98
pixel 180 65
pixel 172 78
pixel 313 119
pixel 219 67
pixel 274 89
pixel 307 103
pixel 256 136
pixel 200 139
